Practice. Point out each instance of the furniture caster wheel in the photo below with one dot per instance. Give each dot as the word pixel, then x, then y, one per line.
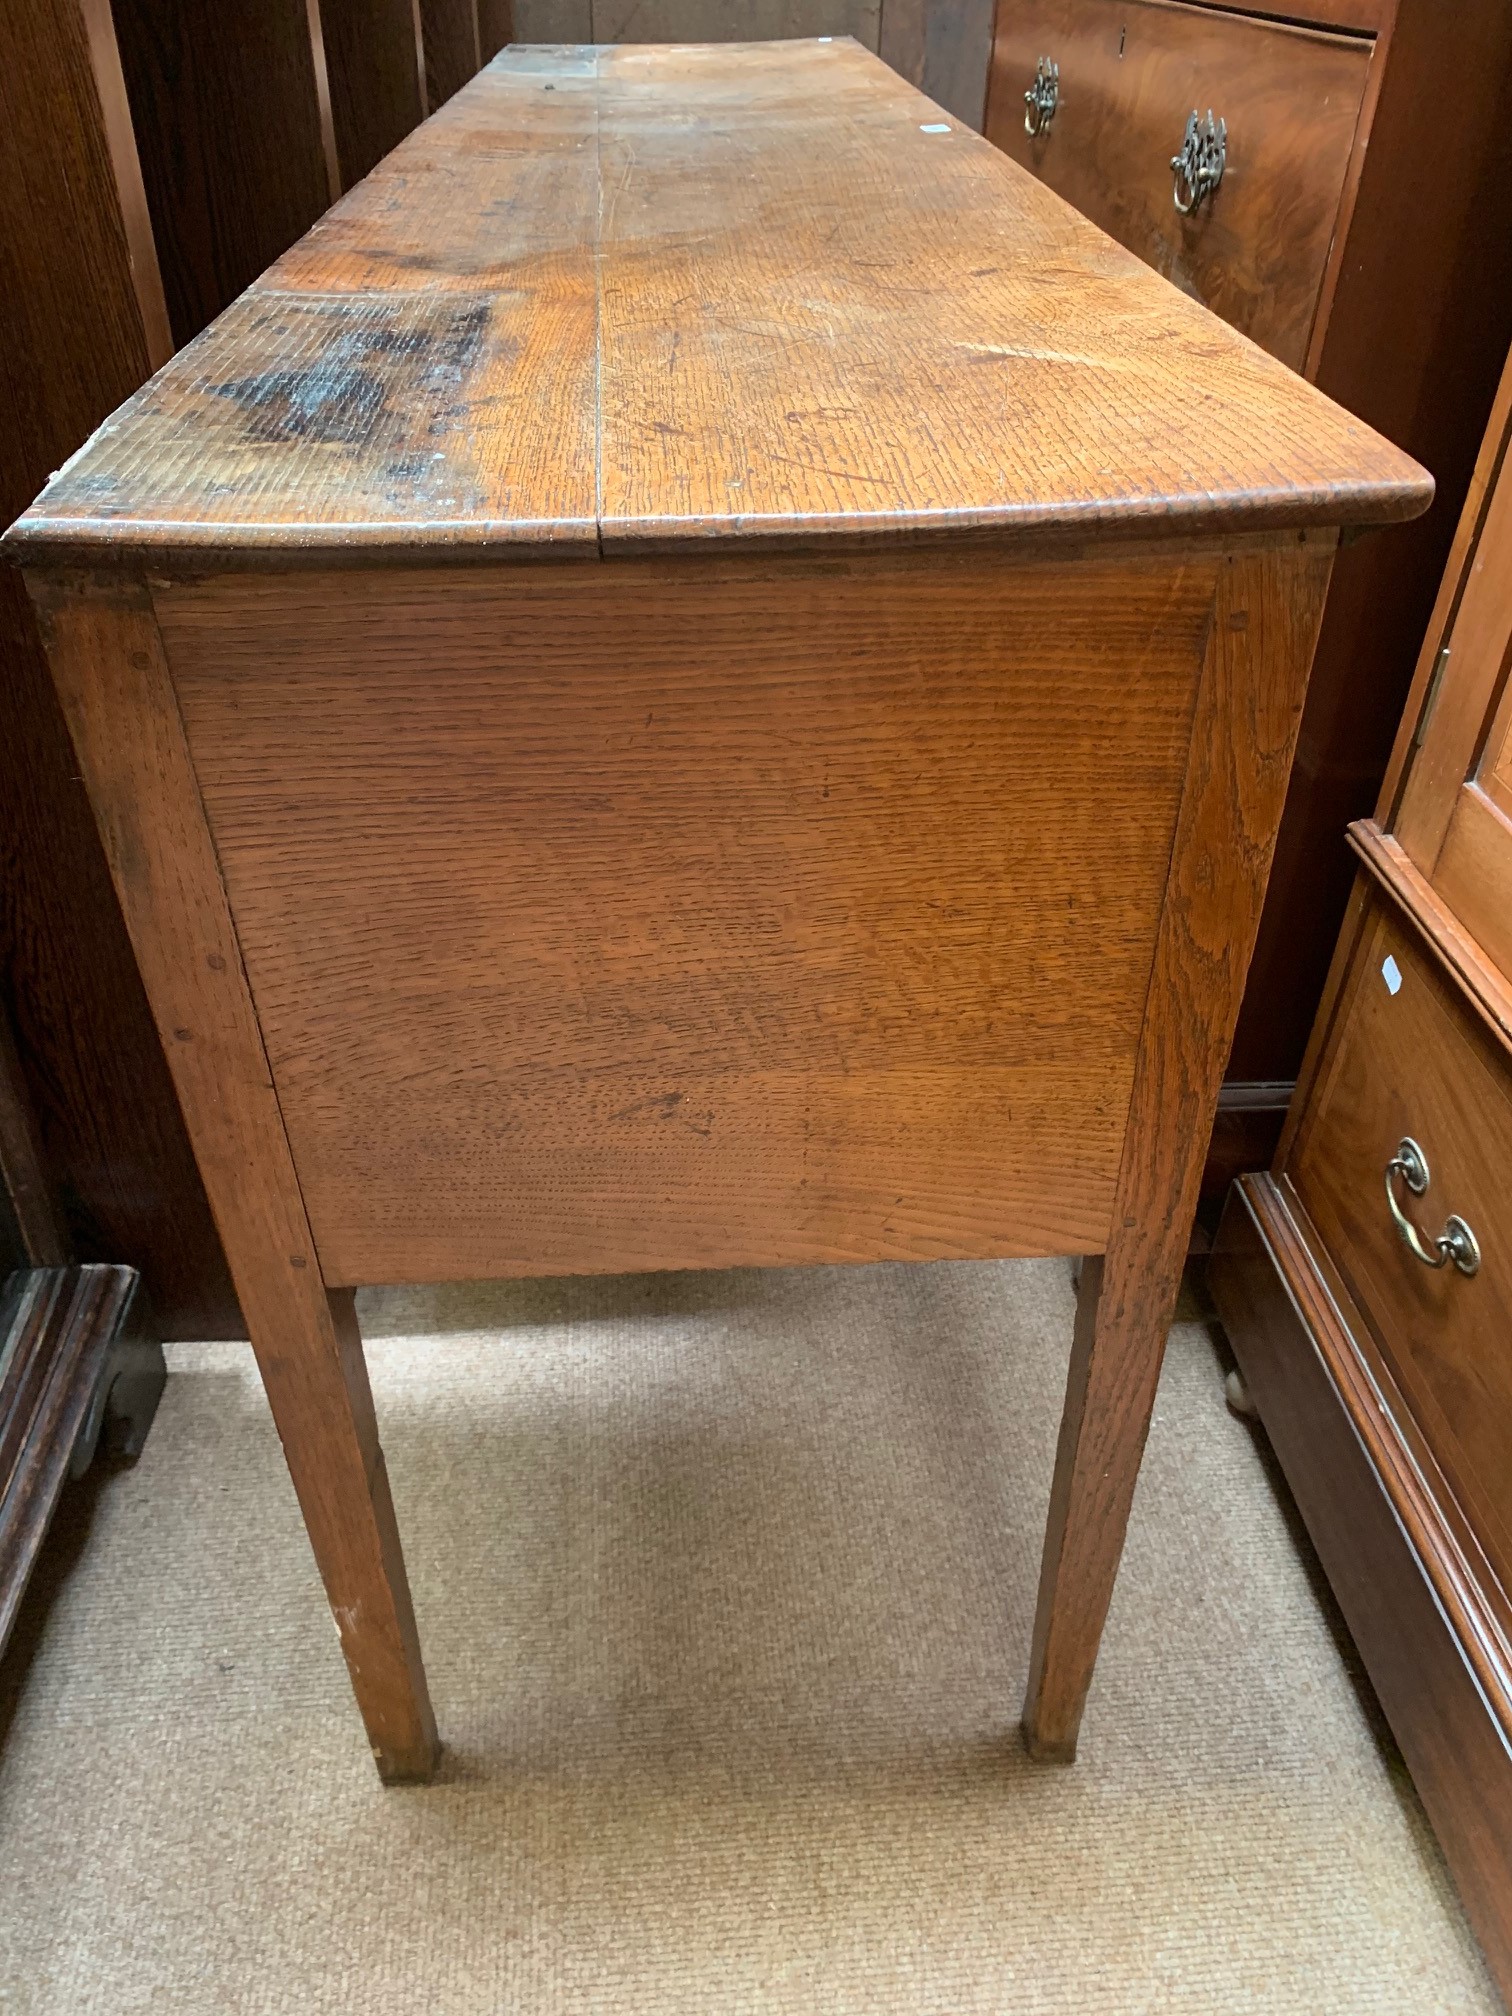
pixel 1239 1397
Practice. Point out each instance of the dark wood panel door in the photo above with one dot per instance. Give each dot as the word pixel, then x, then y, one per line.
pixel 84 324
pixel 496 28
pixel 375 66
pixel 1129 77
pixel 226 106
pixel 733 20
pixel 450 30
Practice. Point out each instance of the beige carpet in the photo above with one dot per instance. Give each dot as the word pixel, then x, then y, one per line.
pixel 725 1584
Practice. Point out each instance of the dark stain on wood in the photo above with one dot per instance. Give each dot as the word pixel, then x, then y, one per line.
pixel 351 394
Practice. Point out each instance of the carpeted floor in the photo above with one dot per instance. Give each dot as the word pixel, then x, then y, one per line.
pixel 725 1585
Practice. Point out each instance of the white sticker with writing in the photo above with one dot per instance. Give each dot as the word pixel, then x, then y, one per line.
pixel 1391 973
pixel 934 129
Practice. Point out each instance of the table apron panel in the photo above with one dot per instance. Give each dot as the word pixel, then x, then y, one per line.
pixel 624 916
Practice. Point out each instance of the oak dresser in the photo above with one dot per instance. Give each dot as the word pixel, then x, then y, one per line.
pixel 703 674
pixel 1367 1282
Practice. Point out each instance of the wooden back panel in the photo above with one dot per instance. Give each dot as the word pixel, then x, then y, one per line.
pixel 628 916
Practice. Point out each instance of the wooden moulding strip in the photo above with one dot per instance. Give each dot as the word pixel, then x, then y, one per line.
pixel 1331 1319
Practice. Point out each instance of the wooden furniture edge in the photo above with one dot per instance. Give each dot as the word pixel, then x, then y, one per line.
pixel 1349 192
pixel 1267 611
pixel 1399 1577
pixel 1472 519
pixel 1355 18
pixel 36 541
pixel 115 684
pixel 1392 871
pixel 24 1175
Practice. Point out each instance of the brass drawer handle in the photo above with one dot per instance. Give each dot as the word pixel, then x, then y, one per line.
pixel 1198 167
pixel 1042 97
pixel 1456 1242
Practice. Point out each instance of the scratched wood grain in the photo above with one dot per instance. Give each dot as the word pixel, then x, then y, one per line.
pixel 642 295
pixel 652 916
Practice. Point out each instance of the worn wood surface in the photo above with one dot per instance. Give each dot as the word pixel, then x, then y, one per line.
pixel 678 989
pixel 79 340
pixel 227 116
pixel 1256 251
pixel 1427 1628
pixel 868 329
pixel 1243 734
pixel 113 680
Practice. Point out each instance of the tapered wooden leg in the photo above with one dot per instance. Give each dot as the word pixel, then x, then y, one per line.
pixel 1249 700
pixel 1110 1391
pixel 117 691
pixel 317 1386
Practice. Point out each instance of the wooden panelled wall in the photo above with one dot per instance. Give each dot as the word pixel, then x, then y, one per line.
pixel 941 45
pixel 157 155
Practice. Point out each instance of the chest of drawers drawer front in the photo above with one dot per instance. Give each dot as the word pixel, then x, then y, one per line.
pixel 1407 1060
pixel 1127 79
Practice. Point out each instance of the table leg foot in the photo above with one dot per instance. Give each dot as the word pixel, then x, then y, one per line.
pixel 318 1389
pixel 1045 1751
pixel 1110 1392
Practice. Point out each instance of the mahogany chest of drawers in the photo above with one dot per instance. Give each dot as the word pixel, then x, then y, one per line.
pixel 1350 209
pixel 702 674
pixel 1366 1283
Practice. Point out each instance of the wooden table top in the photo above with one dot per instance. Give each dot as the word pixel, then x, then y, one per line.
pixel 635 297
